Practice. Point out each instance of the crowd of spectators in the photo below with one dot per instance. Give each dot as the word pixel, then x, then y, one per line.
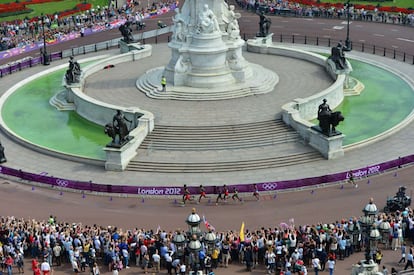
pixel 29 31
pixel 292 8
pixel 283 249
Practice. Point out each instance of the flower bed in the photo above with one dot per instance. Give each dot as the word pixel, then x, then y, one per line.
pixel 356 6
pixel 21 6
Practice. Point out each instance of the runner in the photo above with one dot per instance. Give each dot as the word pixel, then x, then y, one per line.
pixel 202 193
pixel 186 195
pixel 256 192
pixel 219 194
pixel 236 195
pixel 351 179
pixel 226 193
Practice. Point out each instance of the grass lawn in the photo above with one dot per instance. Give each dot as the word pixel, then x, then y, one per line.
pixel 50 8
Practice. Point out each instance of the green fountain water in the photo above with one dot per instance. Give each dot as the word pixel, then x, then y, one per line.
pixel 385 102
pixel 28 114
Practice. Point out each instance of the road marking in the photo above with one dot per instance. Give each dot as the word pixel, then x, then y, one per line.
pixel 320 23
pixel 338 27
pixel 361 40
pixel 346 23
pixel 377 34
pixel 395 47
pixel 394 30
pixel 358 26
pixel 326 36
pixel 295 33
pixel 405 39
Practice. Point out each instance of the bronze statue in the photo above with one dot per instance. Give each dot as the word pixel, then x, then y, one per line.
pixel 73 72
pixel 264 25
pixel 119 128
pixel 338 57
pixel 126 32
pixel 328 120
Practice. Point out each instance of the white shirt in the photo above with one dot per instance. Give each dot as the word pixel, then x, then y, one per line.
pixel 156 258
pixel 331 264
pixel 315 262
pixel 45 266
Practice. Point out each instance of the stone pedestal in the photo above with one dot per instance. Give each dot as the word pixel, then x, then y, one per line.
pixel 260 44
pixel 127 47
pixel 117 159
pixel 329 147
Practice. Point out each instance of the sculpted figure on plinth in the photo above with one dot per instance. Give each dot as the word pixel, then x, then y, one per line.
pixel 328 120
pixel 264 25
pixel 118 128
pixel 207 21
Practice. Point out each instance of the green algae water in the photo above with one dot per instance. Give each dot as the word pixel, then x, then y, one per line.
pixel 385 102
pixel 28 114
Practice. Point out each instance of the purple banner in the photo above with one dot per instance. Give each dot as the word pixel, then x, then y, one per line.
pixel 177 190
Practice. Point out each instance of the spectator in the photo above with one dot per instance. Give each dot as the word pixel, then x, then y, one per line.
pixel 45 267
pixel 331 266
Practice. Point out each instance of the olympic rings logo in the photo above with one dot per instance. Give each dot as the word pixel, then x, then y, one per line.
pixel 62 183
pixel 269 186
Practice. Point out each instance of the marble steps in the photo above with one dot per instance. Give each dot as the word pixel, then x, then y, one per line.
pixel 259 83
pixel 223 148
pixel 60 103
pixel 248 135
pixel 223 166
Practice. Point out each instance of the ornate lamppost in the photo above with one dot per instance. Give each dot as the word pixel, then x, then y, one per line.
pixel 210 240
pixel 348 42
pixel 371 236
pixel 384 228
pixel 179 241
pixel 194 234
pixel 367 221
pixel 45 56
pixel 374 238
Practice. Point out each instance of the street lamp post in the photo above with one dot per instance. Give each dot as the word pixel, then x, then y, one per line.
pixel 210 240
pixel 45 56
pixel 371 233
pixel 348 43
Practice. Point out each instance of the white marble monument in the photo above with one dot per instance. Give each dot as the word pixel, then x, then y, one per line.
pixel 206 61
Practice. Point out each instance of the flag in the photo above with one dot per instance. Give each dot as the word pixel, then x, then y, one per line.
pixel 241 234
pixel 208 225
